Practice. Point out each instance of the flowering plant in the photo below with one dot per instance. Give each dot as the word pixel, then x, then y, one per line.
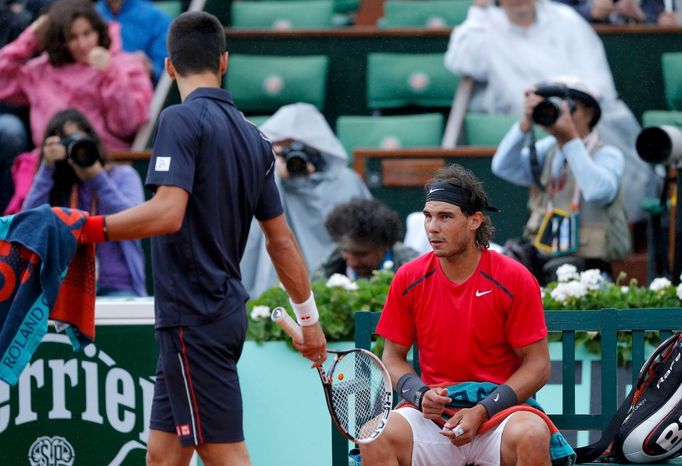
pixel 589 290
pixel 337 300
pixel 339 297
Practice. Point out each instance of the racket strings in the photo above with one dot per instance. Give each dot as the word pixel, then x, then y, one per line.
pixel 358 393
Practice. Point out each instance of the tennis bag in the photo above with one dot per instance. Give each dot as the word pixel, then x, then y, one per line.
pixel 648 425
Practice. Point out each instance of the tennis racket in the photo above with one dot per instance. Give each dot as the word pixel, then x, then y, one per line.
pixel 357 387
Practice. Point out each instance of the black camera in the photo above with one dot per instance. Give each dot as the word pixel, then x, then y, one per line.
pixel 82 149
pixel 547 112
pixel 297 156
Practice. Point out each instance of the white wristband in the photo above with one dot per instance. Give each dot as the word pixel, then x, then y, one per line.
pixel 306 312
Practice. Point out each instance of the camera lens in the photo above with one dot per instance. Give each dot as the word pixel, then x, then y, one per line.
pixel 547 112
pixel 297 163
pixel 81 149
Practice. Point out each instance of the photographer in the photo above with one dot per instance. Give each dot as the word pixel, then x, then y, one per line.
pixel 75 173
pixel 574 180
pixel 312 177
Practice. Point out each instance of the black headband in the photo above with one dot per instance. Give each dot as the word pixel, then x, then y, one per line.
pixel 444 191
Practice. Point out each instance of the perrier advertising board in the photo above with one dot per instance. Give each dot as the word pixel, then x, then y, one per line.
pixel 86 408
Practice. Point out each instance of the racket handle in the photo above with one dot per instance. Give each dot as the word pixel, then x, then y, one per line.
pixel 282 318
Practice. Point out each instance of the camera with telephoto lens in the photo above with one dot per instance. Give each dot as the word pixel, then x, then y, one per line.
pixel 82 149
pixel 297 156
pixel 547 112
pixel 660 144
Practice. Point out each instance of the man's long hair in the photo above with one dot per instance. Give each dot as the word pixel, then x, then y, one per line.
pixel 460 176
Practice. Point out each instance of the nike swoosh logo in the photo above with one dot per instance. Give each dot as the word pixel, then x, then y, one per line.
pixel 497 397
pixel 405 390
pixel 433 190
pixel 482 293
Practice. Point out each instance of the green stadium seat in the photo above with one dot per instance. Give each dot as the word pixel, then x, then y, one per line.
pixel 432 14
pixel 400 79
pixel 672 79
pixel 661 117
pixel 262 83
pixel 486 130
pixel 171 7
pixel 282 15
pixel 390 132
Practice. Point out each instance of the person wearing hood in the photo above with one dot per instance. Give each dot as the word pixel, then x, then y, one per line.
pixel 577 214
pixel 83 68
pixel 313 177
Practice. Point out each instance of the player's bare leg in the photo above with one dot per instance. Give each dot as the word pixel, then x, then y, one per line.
pixel 164 449
pixel 525 441
pixel 392 448
pixel 224 454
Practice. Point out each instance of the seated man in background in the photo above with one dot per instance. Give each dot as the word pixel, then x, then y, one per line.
pixel 626 11
pixel 143 30
pixel 312 177
pixel 508 48
pixel 366 232
pixel 575 181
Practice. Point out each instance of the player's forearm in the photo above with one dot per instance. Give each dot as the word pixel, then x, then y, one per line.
pixel 530 377
pixel 142 221
pixel 290 267
pixel 160 215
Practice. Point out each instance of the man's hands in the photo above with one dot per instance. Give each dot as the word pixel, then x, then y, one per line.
pixel 630 9
pixel 314 344
pixel 469 420
pixel 563 129
pixel 54 150
pixel 463 426
pixel 531 99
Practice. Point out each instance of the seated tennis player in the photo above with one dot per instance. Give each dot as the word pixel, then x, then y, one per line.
pixel 478 320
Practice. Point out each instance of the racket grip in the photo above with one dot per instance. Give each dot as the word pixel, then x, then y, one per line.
pixel 282 318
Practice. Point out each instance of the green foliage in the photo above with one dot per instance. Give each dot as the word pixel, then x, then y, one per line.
pixel 614 295
pixel 336 304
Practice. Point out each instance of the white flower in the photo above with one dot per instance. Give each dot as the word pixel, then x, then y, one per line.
pixel 260 312
pixel 341 281
pixel 566 273
pixel 624 289
pixel 563 291
pixel 388 265
pixel 659 284
pixel 679 292
pixel 592 279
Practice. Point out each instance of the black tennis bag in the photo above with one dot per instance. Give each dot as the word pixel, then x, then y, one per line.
pixel 648 425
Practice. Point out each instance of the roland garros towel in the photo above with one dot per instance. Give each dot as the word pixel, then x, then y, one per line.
pixel 44 273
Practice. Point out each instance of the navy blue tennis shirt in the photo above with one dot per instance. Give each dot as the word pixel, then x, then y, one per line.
pixel 206 147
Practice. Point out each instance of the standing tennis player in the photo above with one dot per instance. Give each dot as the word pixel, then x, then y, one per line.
pixel 211 171
pixel 477 316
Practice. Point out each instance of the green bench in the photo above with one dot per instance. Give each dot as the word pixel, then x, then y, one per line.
pixel 608 322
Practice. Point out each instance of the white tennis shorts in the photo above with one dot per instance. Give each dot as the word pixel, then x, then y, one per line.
pixel 432 449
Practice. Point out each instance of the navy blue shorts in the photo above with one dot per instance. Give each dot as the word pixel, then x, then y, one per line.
pixel 197 394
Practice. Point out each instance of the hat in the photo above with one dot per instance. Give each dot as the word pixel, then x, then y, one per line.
pixel 577 90
pixel 303 122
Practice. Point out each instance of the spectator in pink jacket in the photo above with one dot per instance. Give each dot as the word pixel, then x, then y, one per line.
pixel 82 66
